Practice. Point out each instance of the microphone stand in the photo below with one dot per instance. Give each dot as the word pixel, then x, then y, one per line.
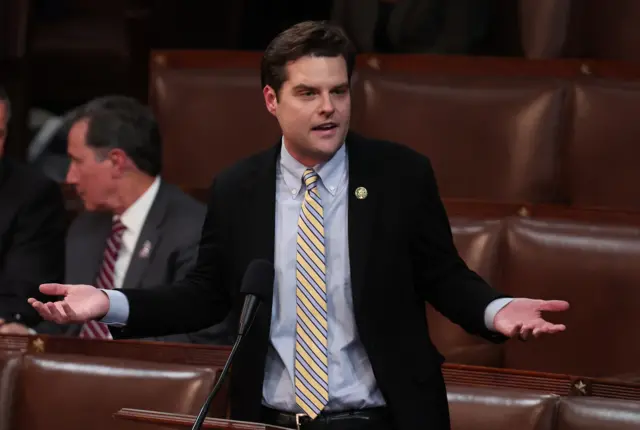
pixel 246 320
pixel 207 404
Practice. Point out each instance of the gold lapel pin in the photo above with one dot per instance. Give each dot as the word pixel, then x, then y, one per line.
pixel 361 193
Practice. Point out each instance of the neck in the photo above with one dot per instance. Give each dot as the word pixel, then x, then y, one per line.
pixel 306 159
pixel 131 190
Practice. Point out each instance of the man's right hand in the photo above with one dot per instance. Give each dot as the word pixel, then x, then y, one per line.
pixel 81 303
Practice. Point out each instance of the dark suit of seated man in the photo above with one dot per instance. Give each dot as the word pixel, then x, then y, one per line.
pixel 32 231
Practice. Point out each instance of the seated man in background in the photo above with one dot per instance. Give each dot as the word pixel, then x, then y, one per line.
pixel 33 223
pixel 137 231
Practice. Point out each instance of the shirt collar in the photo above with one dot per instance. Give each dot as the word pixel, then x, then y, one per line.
pixel 136 214
pixel 331 173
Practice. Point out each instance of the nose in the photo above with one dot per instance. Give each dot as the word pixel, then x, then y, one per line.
pixel 72 177
pixel 327 108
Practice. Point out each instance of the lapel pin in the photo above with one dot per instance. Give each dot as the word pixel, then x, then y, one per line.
pixel 361 193
pixel 145 250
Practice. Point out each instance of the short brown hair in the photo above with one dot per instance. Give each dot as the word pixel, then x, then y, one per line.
pixel 308 38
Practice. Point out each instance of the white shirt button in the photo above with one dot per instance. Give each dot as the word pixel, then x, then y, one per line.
pixel 294 192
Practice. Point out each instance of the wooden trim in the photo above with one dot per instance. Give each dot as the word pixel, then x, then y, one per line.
pixel 415 63
pixel 181 420
pixel 554 383
pixel 216 356
pixel 484 209
pixel 161 352
pixel 204 59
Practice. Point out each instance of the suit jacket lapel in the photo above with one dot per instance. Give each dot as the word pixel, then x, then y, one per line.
pixel 362 199
pixel 148 240
pixel 260 222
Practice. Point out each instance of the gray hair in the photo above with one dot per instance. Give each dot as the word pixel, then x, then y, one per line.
pixel 4 98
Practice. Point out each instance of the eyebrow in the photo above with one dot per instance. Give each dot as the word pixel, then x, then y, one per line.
pixel 303 87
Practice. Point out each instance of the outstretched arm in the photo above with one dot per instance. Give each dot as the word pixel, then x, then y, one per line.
pixel 198 301
pixel 445 280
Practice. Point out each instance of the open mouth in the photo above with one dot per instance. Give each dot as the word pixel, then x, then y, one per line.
pixel 326 126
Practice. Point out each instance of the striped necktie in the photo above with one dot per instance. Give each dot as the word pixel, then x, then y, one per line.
pixel 311 359
pixel 105 280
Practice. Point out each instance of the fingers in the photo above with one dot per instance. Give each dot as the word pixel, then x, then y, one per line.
pixel 68 311
pixel 57 313
pixel 525 332
pixel 42 309
pixel 52 311
pixel 554 305
pixel 54 289
pixel 548 328
pixel 513 331
pixel 536 330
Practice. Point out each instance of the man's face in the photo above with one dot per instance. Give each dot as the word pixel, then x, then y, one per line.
pixel 94 180
pixel 3 125
pixel 313 107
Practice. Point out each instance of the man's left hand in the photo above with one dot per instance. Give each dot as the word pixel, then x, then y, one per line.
pixel 13 328
pixel 523 317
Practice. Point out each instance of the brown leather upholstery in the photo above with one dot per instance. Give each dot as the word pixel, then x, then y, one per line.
pixel 45 390
pixel 77 392
pixel 566 29
pixel 603 153
pixel 595 268
pixel 210 119
pixel 474 408
pixel 504 138
pixel 490 139
pixel 477 242
pixel 543 27
pixel 10 363
pixel 598 414
pixel 608 31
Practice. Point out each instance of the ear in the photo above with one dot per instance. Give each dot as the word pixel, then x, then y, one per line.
pixel 270 99
pixel 119 161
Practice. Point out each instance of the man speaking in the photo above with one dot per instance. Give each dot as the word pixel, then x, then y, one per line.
pixel 359 240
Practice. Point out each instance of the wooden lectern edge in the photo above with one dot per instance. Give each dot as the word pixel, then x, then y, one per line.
pixel 183 420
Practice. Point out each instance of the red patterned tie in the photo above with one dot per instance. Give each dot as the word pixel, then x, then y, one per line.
pixel 95 329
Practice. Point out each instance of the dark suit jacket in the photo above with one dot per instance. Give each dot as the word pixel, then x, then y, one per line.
pixel 172 227
pixel 402 254
pixel 33 223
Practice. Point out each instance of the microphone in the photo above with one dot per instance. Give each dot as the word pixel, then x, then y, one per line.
pixel 256 284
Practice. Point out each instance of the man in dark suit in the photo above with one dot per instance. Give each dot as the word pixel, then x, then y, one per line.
pixel 32 228
pixel 115 152
pixel 359 240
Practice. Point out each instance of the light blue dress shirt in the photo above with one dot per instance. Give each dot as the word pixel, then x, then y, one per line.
pixel 352 383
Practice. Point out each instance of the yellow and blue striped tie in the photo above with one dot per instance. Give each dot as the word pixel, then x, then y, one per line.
pixel 311 358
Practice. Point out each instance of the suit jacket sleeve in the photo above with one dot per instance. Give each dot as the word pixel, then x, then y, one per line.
pixel 217 334
pixel 36 254
pixel 196 302
pixel 443 278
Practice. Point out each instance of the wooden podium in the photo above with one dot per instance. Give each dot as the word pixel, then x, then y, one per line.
pixel 180 421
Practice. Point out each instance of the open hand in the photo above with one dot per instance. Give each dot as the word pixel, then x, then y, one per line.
pixel 523 318
pixel 81 303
